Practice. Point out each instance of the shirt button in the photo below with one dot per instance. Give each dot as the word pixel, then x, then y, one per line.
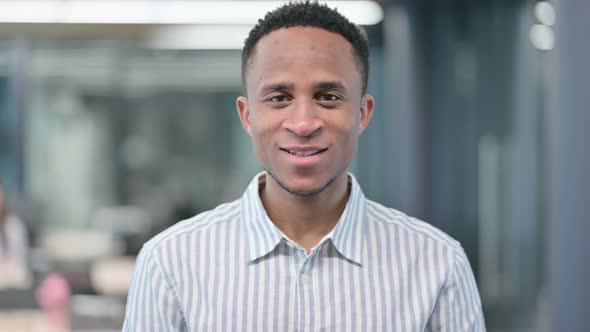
pixel 305 278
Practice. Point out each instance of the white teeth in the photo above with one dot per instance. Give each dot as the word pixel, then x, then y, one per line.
pixel 304 154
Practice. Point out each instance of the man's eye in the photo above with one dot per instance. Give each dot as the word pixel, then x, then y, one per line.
pixel 278 99
pixel 329 98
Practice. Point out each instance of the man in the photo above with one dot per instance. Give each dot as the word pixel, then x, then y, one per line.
pixel 303 249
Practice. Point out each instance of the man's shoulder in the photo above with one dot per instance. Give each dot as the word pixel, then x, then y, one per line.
pixel 416 228
pixel 202 222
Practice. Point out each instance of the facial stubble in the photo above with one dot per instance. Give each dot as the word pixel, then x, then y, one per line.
pixel 301 193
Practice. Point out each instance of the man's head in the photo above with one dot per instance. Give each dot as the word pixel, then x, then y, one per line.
pixel 308 14
pixel 305 106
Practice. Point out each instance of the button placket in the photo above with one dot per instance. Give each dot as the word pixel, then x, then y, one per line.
pixel 305 278
pixel 306 269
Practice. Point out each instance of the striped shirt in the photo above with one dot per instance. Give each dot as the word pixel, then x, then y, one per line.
pixel 232 269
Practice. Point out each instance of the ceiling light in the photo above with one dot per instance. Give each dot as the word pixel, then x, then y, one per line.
pixel 165 12
pixel 542 37
pixel 545 13
pixel 209 37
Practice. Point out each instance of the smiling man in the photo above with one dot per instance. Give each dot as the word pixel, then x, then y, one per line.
pixel 303 249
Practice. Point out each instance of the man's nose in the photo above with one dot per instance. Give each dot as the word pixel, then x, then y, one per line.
pixel 303 120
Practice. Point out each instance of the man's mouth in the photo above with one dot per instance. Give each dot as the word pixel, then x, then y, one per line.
pixel 305 152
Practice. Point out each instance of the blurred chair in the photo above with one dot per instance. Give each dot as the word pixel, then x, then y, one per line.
pixel 80 245
pixel 97 313
pixel 112 275
pixel 72 253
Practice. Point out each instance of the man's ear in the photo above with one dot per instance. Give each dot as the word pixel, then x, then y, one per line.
pixel 367 107
pixel 244 113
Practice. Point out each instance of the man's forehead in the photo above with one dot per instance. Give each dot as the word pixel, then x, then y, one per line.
pixel 312 38
pixel 279 47
pixel 303 31
pixel 303 34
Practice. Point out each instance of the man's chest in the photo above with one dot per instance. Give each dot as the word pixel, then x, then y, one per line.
pixel 324 292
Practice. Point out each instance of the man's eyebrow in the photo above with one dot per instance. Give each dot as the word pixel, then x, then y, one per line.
pixel 281 86
pixel 330 85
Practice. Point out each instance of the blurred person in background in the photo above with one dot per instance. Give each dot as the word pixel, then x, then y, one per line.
pixel 303 249
pixel 13 248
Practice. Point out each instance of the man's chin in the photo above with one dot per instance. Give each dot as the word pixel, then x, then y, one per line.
pixel 303 190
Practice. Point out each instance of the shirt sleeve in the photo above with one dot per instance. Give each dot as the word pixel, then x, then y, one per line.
pixel 152 303
pixel 458 307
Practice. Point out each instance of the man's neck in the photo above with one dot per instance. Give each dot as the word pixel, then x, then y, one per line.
pixel 305 219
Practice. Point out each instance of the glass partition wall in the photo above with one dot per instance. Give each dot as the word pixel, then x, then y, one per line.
pixel 113 125
pixel 472 142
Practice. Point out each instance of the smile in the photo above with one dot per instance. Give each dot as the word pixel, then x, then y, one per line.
pixel 304 153
pixel 304 156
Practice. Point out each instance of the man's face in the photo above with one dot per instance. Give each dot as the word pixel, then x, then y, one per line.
pixel 304 109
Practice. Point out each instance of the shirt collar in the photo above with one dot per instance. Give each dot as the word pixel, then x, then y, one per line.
pixel 347 236
pixel 263 236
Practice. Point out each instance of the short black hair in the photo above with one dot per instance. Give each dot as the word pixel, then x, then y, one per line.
pixel 309 14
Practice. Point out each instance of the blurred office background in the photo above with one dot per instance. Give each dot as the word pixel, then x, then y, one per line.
pixel 116 122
